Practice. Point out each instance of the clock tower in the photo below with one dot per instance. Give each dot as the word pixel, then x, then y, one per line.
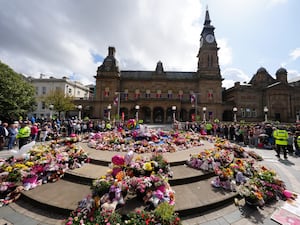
pixel 208 61
pixel 208 72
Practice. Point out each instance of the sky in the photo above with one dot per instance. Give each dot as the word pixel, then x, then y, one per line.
pixel 71 38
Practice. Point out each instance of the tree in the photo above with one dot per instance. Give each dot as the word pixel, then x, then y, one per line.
pixel 60 101
pixel 16 94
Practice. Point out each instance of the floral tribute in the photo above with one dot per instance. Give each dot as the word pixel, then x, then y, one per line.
pixel 143 140
pixel 42 164
pixel 130 179
pixel 237 170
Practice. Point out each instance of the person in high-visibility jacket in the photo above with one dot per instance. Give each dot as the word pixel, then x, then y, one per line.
pixel 281 141
pixel 297 143
pixel 24 134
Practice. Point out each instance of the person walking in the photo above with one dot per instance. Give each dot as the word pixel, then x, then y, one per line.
pixel 281 141
pixel 13 131
pixel 34 131
pixel 297 143
pixel 24 134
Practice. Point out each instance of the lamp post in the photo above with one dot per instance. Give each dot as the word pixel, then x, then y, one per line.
pixel 195 100
pixel 119 102
pixel 51 108
pixel 234 113
pixel 137 107
pixel 108 114
pixel 174 111
pixel 266 110
pixel 204 114
pixel 79 107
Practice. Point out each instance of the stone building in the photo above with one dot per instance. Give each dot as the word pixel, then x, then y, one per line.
pixel 264 98
pixel 155 94
pixel 44 85
pixel 159 96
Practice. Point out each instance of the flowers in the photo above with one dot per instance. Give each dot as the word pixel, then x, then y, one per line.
pixel 145 178
pixel 263 186
pixel 42 164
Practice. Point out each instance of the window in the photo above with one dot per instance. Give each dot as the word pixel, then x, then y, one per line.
pixel 170 95
pixel 126 94
pixel 78 92
pixel 243 112
pixel 137 93
pixel 44 89
pixel 106 92
pixel 43 105
pixel 180 94
pixel 254 113
pixel 148 94
pixel 37 90
pixel 248 112
pixel 70 91
pixel 158 94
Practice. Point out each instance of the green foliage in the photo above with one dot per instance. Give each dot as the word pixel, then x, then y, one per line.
pixel 100 187
pixel 166 214
pixel 60 101
pixel 16 94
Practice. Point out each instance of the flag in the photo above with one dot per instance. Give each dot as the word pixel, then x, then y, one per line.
pixel 116 100
pixel 193 98
pixel 210 94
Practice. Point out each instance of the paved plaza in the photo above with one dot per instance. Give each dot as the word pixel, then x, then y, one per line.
pixel 21 213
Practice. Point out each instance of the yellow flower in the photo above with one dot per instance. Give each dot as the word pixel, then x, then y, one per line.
pixel 8 169
pixel 28 163
pixel 147 166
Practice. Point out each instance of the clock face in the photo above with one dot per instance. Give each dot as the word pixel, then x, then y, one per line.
pixel 209 38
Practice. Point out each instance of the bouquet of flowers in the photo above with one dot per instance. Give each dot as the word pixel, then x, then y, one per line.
pixel 262 187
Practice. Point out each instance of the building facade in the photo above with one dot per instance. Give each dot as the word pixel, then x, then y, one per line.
pixel 44 86
pixel 159 96
pixel 264 98
pixel 156 95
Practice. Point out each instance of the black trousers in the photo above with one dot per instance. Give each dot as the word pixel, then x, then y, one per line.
pixel 23 141
pixel 284 149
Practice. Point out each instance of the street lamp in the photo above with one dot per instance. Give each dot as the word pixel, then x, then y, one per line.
pixel 108 115
pixel 234 113
pixel 204 113
pixel 137 107
pixel 79 107
pixel 118 102
pixel 51 108
pixel 174 110
pixel 266 110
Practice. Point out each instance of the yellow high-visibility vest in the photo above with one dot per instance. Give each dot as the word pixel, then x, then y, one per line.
pixel 281 137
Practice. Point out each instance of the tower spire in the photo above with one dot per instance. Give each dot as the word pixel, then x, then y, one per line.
pixel 207 18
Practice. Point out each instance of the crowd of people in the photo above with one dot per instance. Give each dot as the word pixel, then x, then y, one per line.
pixel 285 139
pixel 282 138
pixel 19 133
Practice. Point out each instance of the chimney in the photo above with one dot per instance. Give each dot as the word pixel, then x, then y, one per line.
pixel 111 51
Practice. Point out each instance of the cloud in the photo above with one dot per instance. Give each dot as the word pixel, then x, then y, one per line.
pixel 295 54
pixel 60 38
pixel 225 52
pixel 293 75
pixel 231 75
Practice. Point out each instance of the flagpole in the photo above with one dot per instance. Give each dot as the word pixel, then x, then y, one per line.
pixel 196 107
pixel 119 99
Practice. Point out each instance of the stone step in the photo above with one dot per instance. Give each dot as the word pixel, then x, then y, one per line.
pixel 87 173
pixel 192 187
pixel 63 197
pixel 178 158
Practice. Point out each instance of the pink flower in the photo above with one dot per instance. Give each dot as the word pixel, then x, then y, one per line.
pixel 118 160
